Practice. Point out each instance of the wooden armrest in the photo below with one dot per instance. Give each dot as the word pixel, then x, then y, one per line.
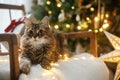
pixel 84 34
pixel 12 42
pixel 13 53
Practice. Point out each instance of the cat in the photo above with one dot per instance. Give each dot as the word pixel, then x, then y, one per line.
pixel 40 44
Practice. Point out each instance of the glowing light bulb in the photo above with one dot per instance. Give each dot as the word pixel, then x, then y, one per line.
pixel 19 49
pixel 96 31
pixel 96 19
pixel 96 22
pixel 106 15
pixel 67 25
pixel 72 7
pixel 90 30
pixel 105 21
pixel 87 18
pixel 52 63
pixel 78 27
pixel 60 55
pixel 92 9
pixel 56 26
pixel 48 2
pixel 85 25
pixel 65 56
pixel 101 30
pixel 59 5
pixel 49 12
pixel 49 26
pixel 105 26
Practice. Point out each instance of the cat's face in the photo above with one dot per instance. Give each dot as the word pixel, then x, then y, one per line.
pixel 37 32
pixel 37 29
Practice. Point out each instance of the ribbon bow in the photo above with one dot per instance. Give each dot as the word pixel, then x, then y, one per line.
pixel 14 24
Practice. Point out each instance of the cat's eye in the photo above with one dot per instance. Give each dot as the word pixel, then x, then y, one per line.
pixel 30 33
pixel 40 32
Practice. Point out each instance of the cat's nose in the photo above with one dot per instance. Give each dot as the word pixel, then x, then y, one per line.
pixel 35 36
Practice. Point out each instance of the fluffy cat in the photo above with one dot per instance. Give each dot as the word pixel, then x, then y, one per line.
pixel 40 44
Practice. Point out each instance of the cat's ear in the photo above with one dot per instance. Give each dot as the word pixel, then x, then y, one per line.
pixel 33 19
pixel 27 22
pixel 45 20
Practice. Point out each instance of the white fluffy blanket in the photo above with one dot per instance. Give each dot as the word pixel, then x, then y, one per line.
pixel 79 67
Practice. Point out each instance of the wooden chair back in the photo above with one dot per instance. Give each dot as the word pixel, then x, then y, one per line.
pixel 11 39
pixel 13 7
pixel 86 34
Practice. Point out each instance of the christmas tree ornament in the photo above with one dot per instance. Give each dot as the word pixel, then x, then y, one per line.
pixel 41 2
pixel 87 6
pixel 77 17
pixel 63 0
pixel 61 17
pixel 114 40
pixel 113 56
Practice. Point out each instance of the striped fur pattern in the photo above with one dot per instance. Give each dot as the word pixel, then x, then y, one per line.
pixel 40 44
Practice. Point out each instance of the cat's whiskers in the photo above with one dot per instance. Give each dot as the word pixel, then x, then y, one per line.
pixel 35 39
pixel 36 42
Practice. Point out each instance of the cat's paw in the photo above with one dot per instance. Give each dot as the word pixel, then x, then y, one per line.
pixel 48 67
pixel 25 68
pixel 46 64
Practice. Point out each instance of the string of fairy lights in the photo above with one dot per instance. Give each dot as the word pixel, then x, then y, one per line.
pixel 83 24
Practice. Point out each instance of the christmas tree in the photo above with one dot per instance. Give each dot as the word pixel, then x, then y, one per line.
pixel 65 15
pixel 78 15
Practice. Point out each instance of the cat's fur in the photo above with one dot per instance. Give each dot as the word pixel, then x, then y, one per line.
pixel 40 44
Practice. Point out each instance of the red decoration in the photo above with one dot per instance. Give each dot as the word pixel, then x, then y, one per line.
pixel 14 24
